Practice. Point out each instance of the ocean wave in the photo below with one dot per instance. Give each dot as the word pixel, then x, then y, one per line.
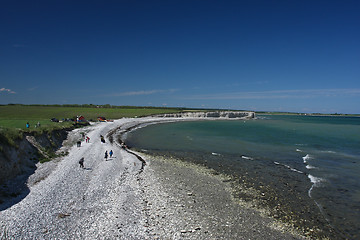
pixel 329 151
pixel 299 150
pixel 306 158
pixel 310 167
pixel 216 154
pixel 316 181
pixel 245 157
pixel 262 118
pixel 289 167
pixel 294 169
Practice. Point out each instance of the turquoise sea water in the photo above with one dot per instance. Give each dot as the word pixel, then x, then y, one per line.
pixel 311 163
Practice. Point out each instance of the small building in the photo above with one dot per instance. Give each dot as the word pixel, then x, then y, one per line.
pixel 102 119
pixel 80 119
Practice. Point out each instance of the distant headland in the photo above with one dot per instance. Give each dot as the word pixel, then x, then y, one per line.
pixel 213 114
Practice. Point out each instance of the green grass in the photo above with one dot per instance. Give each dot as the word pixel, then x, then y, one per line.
pixel 13 118
pixel 21 124
pixel 16 116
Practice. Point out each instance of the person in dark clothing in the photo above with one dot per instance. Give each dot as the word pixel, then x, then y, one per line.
pixel 78 143
pixel 111 153
pixel 81 162
pixel 106 155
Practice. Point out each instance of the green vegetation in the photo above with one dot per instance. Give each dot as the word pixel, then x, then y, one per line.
pixel 8 136
pixel 16 116
pixel 13 117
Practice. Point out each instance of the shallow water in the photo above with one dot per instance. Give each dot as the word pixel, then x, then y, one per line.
pixel 310 165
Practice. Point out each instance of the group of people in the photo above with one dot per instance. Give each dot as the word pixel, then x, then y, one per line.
pixel 110 154
pixel 107 154
pixel 36 125
pixel 87 139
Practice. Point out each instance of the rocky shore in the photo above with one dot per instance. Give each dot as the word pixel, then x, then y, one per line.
pixel 186 201
pixel 125 198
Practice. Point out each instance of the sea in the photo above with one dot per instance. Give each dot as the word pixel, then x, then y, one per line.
pixel 303 170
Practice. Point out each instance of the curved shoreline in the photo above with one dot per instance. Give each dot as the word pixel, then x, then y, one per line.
pixel 158 198
pixel 261 200
pixel 186 201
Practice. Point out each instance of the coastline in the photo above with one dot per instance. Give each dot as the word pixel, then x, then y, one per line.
pixel 160 198
pixel 187 201
pixel 285 203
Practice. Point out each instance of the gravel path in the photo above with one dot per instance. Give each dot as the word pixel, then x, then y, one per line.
pixel 117 199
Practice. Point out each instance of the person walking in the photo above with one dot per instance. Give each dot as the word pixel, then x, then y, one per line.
pixel 111 153
pixel 106 155
pixel 81 162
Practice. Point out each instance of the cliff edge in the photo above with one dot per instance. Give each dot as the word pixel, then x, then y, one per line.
pixel 26 152
pixel 214 114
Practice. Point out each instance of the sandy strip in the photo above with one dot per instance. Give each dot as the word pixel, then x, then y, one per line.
pixel 118 199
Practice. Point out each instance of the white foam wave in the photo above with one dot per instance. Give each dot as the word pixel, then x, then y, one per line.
pixel 215 154
pixel 328 151
pixel 316 183
pixel 299 150
pixel 310 167
pixel 291 168
pixel 245 157
pixel 307 157
pixel 295 170
pixel 315 180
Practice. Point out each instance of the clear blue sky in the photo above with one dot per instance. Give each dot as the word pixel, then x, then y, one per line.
pixel 301 56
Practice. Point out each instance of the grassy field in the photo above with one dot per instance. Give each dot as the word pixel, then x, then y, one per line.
pixel 16 116
pixel 13 118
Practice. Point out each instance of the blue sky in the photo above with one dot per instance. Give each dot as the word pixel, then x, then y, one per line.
pixel 299 56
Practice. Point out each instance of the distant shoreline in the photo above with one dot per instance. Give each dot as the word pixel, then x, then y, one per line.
pixel 309 114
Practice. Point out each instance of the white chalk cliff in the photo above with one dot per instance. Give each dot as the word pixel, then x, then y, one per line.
pixel 216 114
